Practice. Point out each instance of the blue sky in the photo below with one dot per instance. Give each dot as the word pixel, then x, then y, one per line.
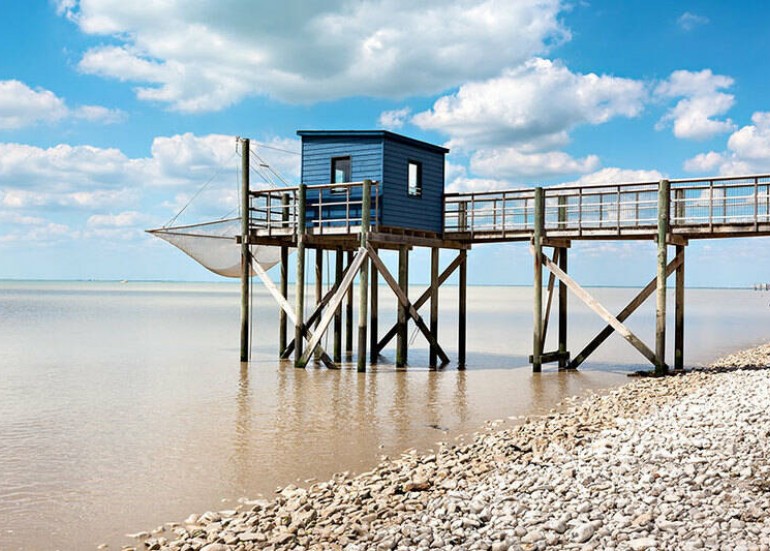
pixel 113 113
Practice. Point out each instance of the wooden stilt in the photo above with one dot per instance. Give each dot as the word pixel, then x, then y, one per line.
pixel 660 309
pixel 373 315
pixel 245 252
pixel 284 281
pixel 403 283
pixel 679 314
pixel 363 281
pixel 461 322
pixel 549 300
pixel 349 316
pixel 563 351
pixel 338 312
pixel 434 285
pixel 537 245
pixel 319 281
pixel 300 291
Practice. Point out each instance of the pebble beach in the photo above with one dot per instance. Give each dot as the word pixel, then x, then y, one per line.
pixel 679 462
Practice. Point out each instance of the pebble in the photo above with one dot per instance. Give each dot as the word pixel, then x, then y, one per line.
pixel 676 462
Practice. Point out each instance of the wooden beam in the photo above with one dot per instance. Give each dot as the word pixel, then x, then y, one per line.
pixel 349 315
pixel 299 297
pixel 319 280
pixel 363 281
pixel 597 307
pixel 335 301
pixel 245 251
pixel 284 282
pixel 564 358
pixel 374 313
pixel 404 300
pixel 314 316
pixel 635 303
pixel 448 271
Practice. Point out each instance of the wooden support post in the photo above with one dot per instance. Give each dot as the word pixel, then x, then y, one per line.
pixel 664 196
pixel 300 292
pixel 537 244
pixel 403 283
pixel 319 281
pixel 284 281
pixel 564 353
pixel 338 312
pixel 349 315
pixel 434 285
pixel 245 252
pixel 679 314
pixel 363 280
pixel 373 315
pixel 462 296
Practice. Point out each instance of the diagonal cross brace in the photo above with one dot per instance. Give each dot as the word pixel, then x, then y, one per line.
pixel 286 307
pixel 597 307
pixel 551 281
pixel 314 316
pixel 637 301
pixel 404 300
pixel 420 301
pixel 335 301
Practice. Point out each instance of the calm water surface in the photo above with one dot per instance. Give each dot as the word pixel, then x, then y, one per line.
pixel 123 406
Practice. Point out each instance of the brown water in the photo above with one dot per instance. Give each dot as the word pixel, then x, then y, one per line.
pixel 123 406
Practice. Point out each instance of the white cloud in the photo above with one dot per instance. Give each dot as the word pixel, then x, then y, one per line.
pixel 393 120
pixel 21 106
pixel 457 180
pixel 205 57
pixel 614 175
pixel 509 162
pixel 121 220
pixel 535 104
pixel 748 151
pixel 693 116
pixel 689 21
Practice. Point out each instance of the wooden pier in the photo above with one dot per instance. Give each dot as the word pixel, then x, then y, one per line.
pixel 346 220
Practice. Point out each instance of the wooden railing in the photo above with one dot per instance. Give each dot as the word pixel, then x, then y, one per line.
pixel 329 208
pixel 619 209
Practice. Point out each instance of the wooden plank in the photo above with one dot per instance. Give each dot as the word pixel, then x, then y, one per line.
pixel 374 317
pixel 664 197
pixel 637 301
pixel 600 310
pixel 564 359
pixel 448 271
pixel 462 288
pixel 363 281
pixel 349 315
pixel 335 301
pixel 338 312
pixel 537 247
pixel 679 312
pixel 314 316
pixel 404 300
pixel 403 283
pixel 299 295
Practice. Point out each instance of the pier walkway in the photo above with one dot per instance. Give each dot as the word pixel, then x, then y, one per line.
pixel 346 218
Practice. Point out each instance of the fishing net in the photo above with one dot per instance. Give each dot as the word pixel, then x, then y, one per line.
pixel 213 245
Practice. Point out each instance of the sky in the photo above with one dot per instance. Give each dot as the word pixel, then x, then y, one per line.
pixel 114 114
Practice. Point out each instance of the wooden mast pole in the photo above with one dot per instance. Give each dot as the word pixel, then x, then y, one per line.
pixel 245 253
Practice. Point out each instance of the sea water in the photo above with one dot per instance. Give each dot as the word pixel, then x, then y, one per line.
pixel 124 405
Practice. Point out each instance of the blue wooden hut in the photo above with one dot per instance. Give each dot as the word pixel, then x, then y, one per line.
pixel 409 172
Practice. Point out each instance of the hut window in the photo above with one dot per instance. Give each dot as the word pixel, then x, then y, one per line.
pixel 341 170
pixel 414 179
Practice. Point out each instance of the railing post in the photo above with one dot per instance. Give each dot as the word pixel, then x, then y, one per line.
pixel 300 292
pixel 363 280
pixel 664 198
pixel 537 249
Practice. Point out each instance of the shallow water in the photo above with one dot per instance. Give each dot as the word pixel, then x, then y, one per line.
pixel 123 406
